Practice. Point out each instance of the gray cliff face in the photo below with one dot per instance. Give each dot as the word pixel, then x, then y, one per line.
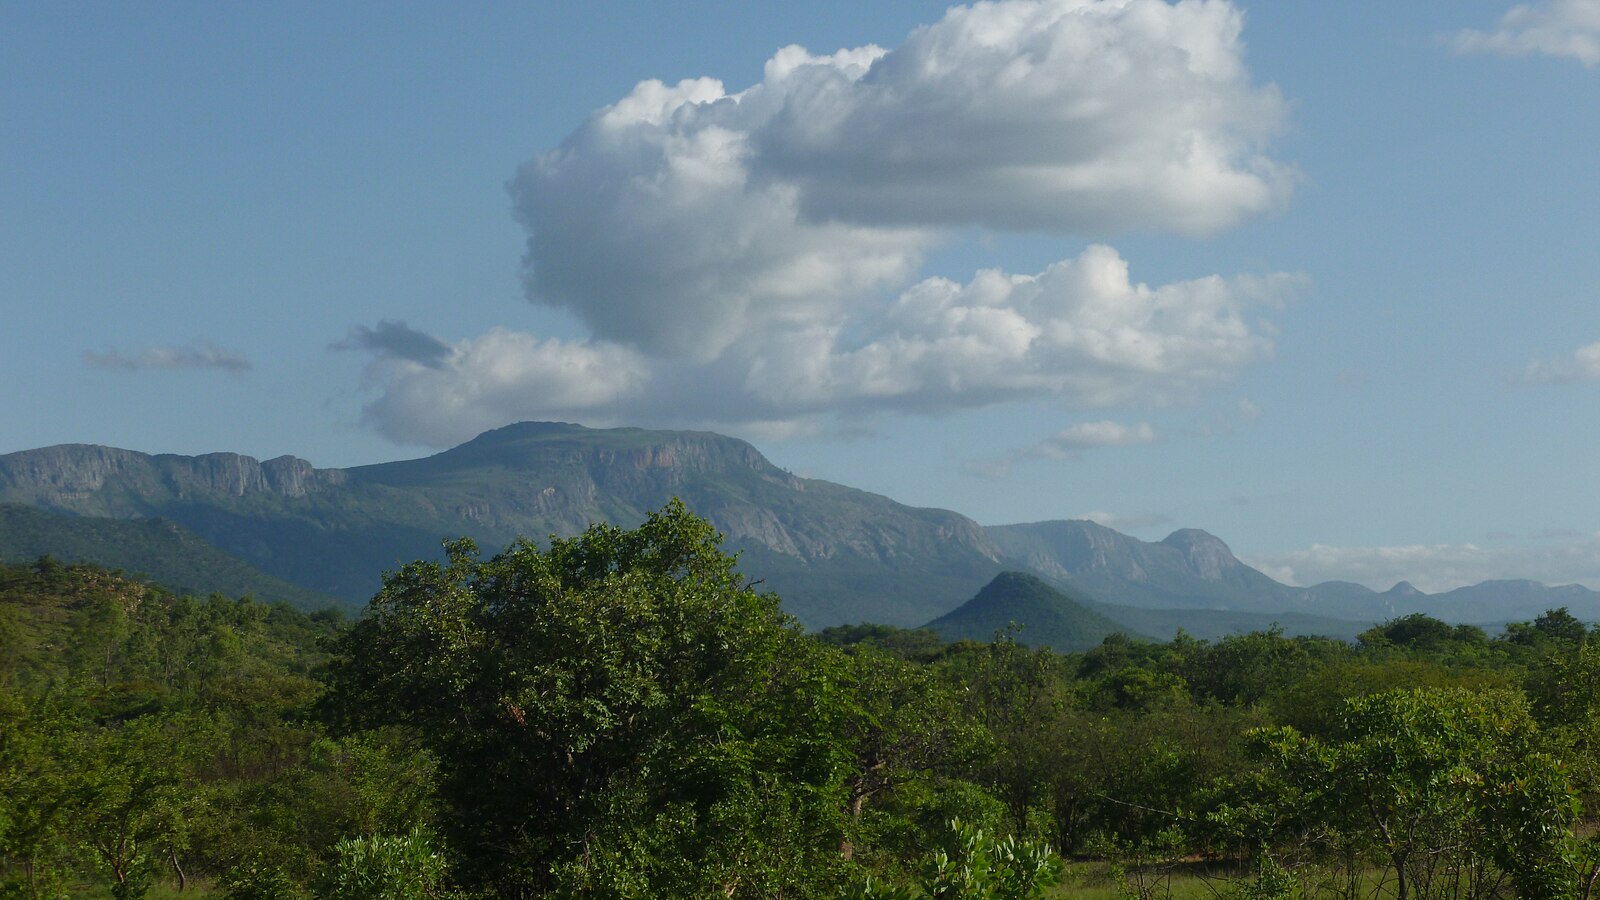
pixel 290 476
pixel 93 480
pixel 66 476
pixel 1205 554
pixel 233 475
pixel 1192 569
pixel 835 554
pixel 1074 547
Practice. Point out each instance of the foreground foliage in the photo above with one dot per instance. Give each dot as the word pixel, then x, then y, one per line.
pixel 619 714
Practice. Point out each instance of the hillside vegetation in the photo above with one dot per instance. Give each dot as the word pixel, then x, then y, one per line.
pixel 158 550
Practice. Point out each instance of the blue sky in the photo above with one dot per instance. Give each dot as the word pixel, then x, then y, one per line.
pixel 1319 278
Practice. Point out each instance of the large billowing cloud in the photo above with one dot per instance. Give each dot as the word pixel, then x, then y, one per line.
pixel 1082 332
pixel 752 257
pixel 1556 558
pixel 1560 28
pixel 683 217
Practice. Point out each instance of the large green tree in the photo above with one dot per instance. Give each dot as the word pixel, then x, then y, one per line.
pixel 618 715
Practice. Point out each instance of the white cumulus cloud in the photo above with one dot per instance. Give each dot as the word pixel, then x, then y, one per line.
pixel 752 259
pixel 683 217
pixel 1081 333
pixel 1560 28
pixel 501 377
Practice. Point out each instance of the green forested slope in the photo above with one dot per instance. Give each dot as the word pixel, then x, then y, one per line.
pixel 163 551
pixel 1046 616
pixel 148 736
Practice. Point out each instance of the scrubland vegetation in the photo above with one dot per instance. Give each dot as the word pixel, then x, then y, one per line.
pixel 621 715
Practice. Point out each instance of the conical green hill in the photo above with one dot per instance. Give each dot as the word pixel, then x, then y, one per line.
pixel 1048 617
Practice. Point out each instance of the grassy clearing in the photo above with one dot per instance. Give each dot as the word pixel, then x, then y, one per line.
pixel 1099 880
pixel 198 889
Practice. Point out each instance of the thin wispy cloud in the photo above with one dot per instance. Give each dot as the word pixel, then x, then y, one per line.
pixel 1092 435
pixel 987 468
pixel 1127 521
pixel 1568 29
pixel 1582 365
pixel 200 356
pixel 1068 443
pixel 396 340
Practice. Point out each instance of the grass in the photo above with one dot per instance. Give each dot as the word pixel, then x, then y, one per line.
pixel 1097 880
pixel 198 889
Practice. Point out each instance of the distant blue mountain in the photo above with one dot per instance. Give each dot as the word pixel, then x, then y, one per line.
pixel 835 554
pixel 1191 569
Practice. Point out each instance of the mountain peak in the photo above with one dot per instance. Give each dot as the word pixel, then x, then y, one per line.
pixel 1009 584
pixel 517 431
pixel 522 433
pixel 1186 538
pixel 1205 552
pixel 1404 589
pixel 606 452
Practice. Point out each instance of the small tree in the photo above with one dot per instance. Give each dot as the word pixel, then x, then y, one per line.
pixel 386 867
pixel 132 793
pixel 976 866
pixel 1445 786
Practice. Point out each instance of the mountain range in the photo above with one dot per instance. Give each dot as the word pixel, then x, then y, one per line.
pixel 834 553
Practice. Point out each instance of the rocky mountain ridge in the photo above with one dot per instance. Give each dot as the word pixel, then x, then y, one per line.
pixel 836 554
pixel 91 479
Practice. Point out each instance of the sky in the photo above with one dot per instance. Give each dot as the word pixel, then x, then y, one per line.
pixel 1321 279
